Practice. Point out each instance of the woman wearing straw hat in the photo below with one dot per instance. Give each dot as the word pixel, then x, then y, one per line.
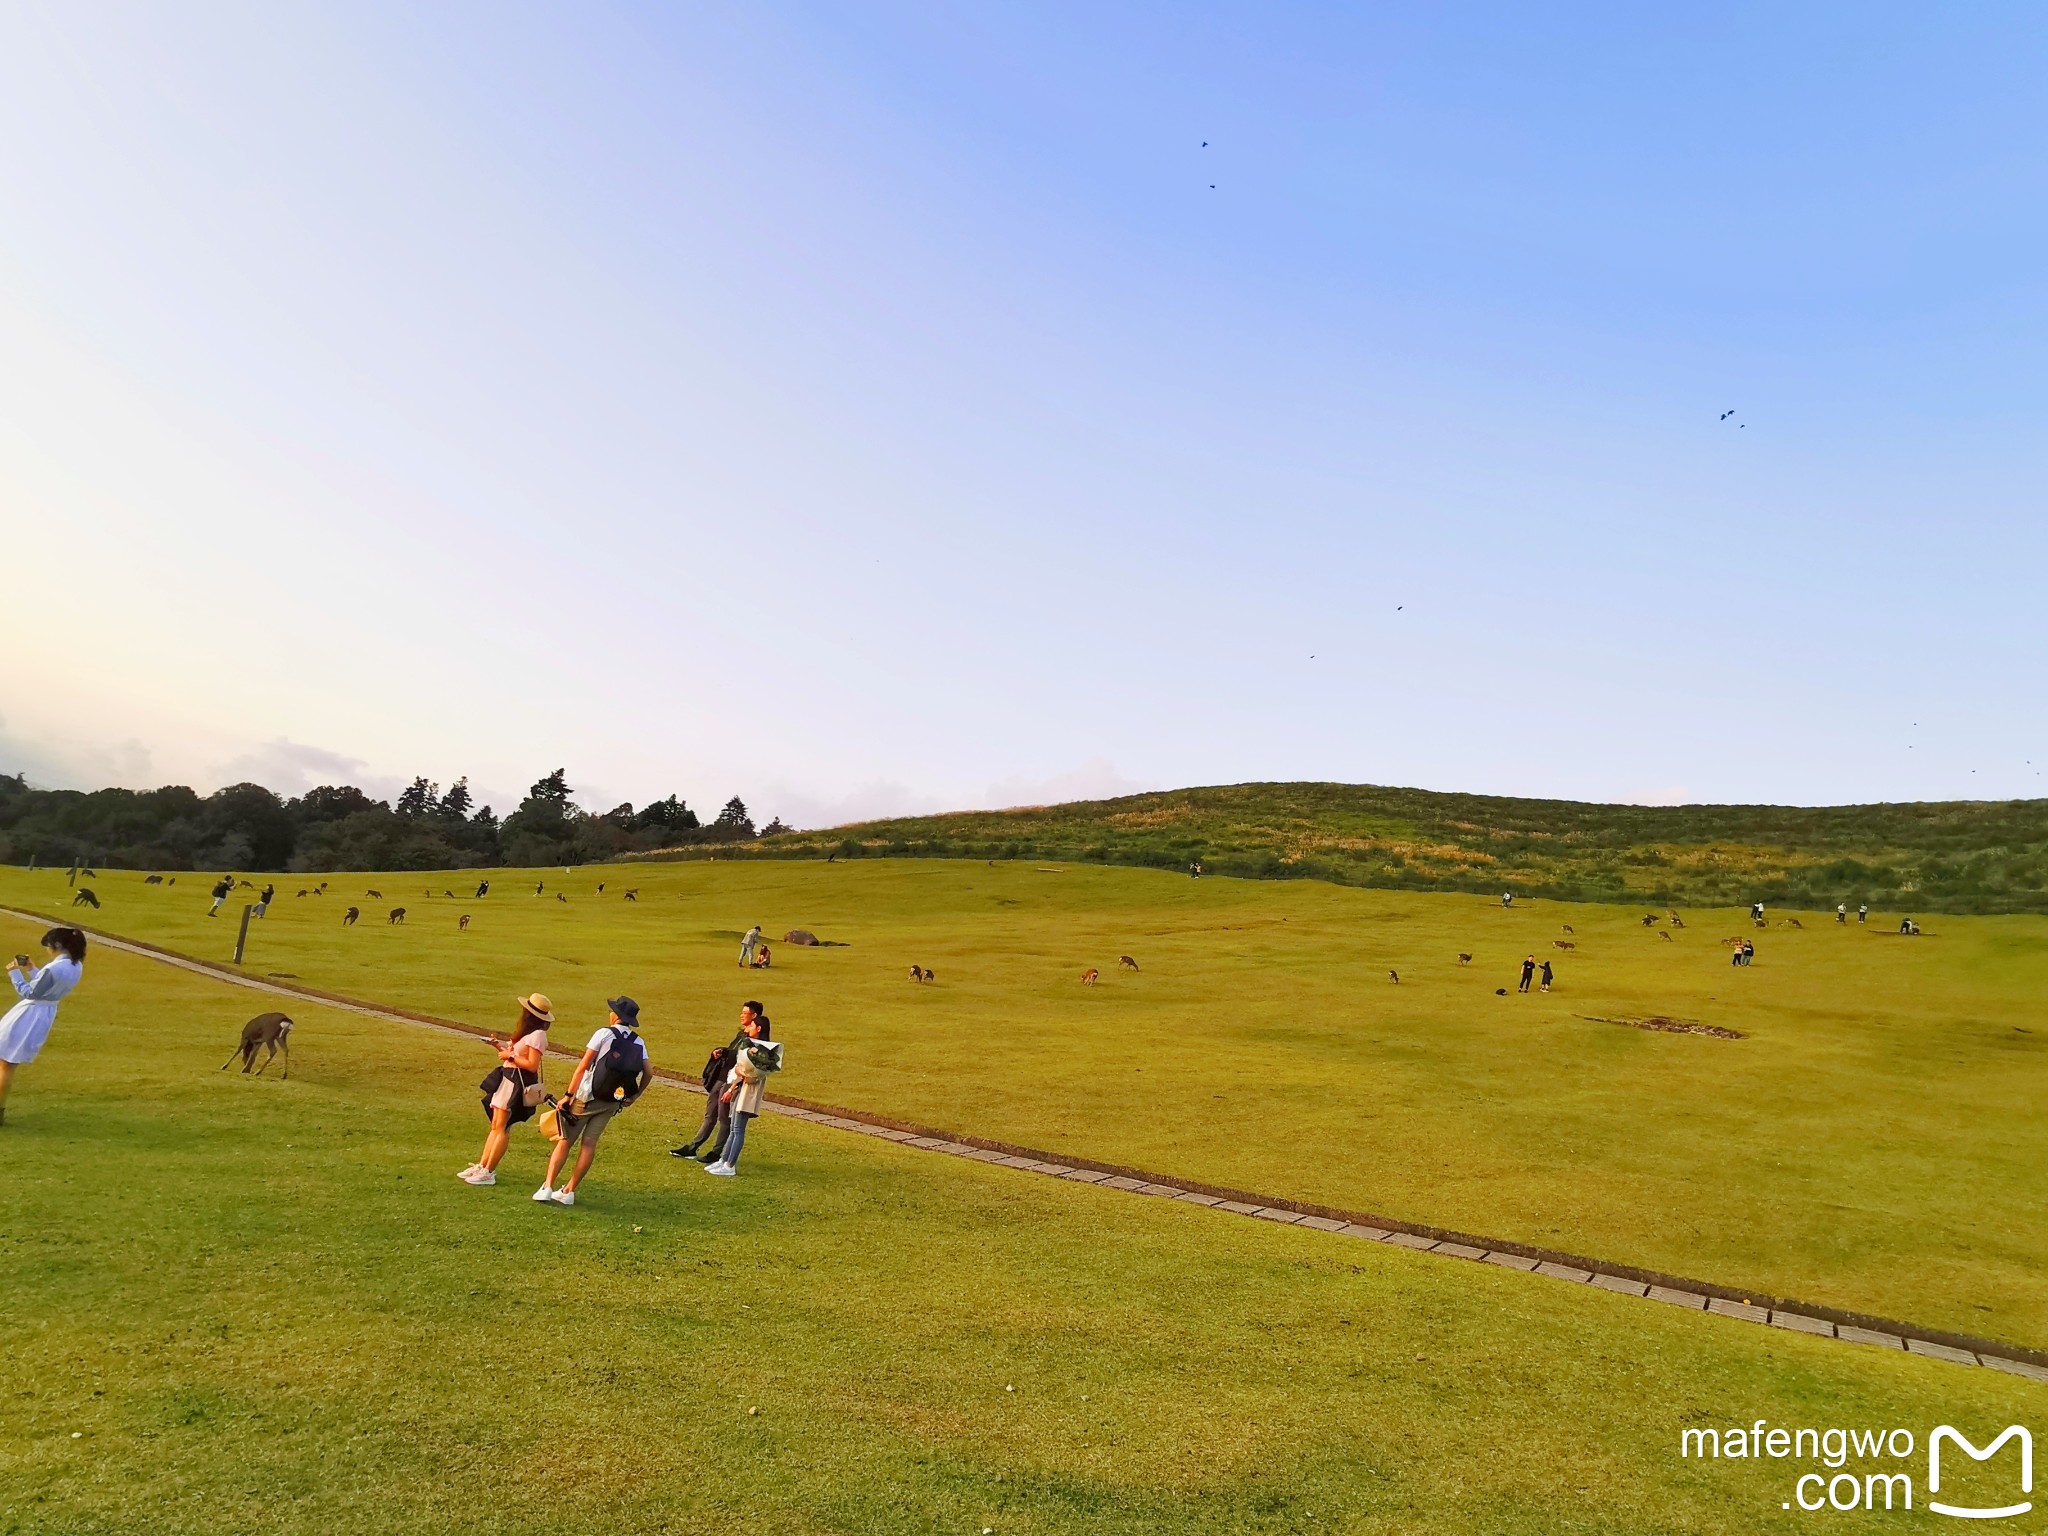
pixel 512 1091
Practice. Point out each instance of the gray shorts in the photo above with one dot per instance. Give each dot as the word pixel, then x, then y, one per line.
pixel 583 1121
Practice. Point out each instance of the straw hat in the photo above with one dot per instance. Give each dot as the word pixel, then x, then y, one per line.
pixel 538 1005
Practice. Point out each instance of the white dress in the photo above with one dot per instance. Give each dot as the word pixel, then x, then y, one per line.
pixel 28 1022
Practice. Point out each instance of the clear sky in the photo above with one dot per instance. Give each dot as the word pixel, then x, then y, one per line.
pixel 867 408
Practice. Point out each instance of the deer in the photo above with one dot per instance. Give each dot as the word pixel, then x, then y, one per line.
pixel 348 918
pixel 266 1029
pixel 1463 958
pixel 1562 944
pixel 397 916
pixel 462 923
pixel 1568 928
pixel 1127 961
pixel 374 895
pixel 152 879
pixel 1394 977
pixel 85 898
pixel 1090 976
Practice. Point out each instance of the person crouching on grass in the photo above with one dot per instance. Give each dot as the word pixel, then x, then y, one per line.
pixel 512 1090
pixel 612 1074
pixel 757 1058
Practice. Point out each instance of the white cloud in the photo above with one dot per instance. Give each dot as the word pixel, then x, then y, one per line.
pixel 62 763
pixel 1096 779
pixel 1675 794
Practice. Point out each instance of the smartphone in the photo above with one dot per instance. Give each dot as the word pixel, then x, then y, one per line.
pixel 22 961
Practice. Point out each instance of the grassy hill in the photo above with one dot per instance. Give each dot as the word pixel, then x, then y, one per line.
pixel 1952 856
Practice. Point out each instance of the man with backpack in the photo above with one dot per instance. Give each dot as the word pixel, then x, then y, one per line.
pixel 222 889
pixel 612 1074
pixel 717 1108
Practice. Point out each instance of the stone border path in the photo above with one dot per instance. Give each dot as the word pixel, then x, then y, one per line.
pixel 1693 1295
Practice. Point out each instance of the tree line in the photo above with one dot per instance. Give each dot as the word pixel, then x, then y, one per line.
pixel 248 827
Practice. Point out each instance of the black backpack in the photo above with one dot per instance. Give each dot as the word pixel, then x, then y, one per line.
pixel 622 1064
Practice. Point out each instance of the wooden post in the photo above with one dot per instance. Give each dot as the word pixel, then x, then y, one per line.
pixel 242 938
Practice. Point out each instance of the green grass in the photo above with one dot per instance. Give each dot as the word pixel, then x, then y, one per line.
pixel 1874 1144
pixel 243 1304
pixel 1948 856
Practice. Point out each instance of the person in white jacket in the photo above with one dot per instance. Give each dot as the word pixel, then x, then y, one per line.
pixel 28 1022
pixel 758 1057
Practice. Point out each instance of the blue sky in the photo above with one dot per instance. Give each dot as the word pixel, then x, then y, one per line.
pixel 896 407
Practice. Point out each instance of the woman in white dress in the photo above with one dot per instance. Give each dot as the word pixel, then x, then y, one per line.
pixel 28 1022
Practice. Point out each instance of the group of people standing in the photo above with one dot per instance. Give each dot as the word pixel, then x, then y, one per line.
pixel 608 1079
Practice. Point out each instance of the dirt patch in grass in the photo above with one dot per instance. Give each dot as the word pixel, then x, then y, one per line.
pixel 1664 1024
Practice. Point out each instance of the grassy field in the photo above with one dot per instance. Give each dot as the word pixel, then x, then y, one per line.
pixel 1948 856
pixel 243 1304
pixel 1874 1142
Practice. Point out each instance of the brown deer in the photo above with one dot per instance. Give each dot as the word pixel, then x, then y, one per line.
pixel 1090 976
pixel 1463 958
pixel 462 923
pixel 266 1029
pixel 1126 960
pixel 348 918
pixel 397 916
pixel 1562 944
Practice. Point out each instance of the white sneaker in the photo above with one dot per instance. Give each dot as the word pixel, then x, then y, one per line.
pixel 721 1170
pixel 543 1194
pixel 478 1176
pixel 562 1197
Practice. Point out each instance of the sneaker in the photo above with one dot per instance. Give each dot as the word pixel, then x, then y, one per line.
pixel 562 1197
pixel 723 1170
pixel 479 1177
pixel 710 1157
pixel 543 1194
pixel 689 1150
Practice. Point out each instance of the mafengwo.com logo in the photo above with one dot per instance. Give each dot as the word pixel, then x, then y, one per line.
pixel 1939 1472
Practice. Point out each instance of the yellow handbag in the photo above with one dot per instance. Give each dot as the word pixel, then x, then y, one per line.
pixel 549 1120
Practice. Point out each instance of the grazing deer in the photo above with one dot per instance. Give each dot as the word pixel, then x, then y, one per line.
pixel 152 879
pixel 1394 977
pixel 397 916
pixel 917 973
pixel 1649 919
pixel 1674 919
pixel 462 923
pixel 1665 937
pixel 561 898
pixel 85 898
pixel 300 897
pixel 1090 976
pixel 374 895
pixel 634 894
pixel 348 918
pixel 1463 958
pixel 1562 944
pixel 1793 922
pixel 1127 961
pixel 1569 929
pixel 600 887
pixel 271 1029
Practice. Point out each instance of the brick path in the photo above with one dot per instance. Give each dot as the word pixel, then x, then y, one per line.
pixel 1697 1296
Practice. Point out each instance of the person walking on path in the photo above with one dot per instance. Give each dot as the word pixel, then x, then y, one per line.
pixel 222 889
pixel 27 1024
pixel 758 1057
pixel 1546 976
pixel 717 1109
pixel 747 942
pixel 263 900
pixel 608 1080
pixel 1528 973
pixel 512 1090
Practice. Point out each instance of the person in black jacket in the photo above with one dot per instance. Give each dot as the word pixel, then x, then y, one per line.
pixel 717 1111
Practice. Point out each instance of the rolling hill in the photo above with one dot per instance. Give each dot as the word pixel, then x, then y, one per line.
pixel 1955 856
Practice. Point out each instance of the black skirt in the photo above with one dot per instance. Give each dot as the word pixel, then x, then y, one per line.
pixel 520 1110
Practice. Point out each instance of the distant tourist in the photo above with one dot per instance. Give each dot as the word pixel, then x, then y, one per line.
pixel 611 1077
pixel 1546 976
pixel 761 956
pixel 1528 973
pixel 27 1024
pixel 263 900
pixel 747 942
pixel 1907 925
pixel 483 888
pixel 222 889
pixel 1842 912
pixel 757 1058
pixel 1756 911
pixel 717 1108
pixel 1862 913
pixel 1507 898
pixel 512 1091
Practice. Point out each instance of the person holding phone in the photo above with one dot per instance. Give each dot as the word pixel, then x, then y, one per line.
pixel 27 1024
pixel 512 1091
